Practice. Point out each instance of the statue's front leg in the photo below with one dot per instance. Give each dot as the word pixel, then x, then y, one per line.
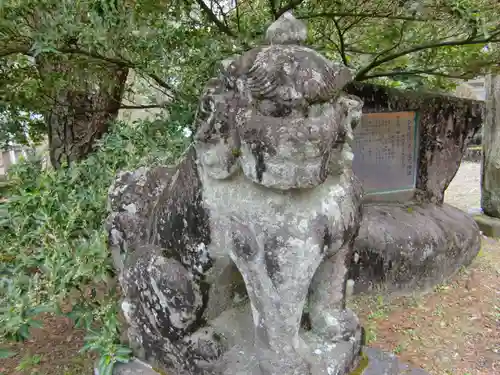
pixel 327 308
pixel 277 276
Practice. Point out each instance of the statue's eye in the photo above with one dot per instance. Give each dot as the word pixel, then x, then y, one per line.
pixel 273 109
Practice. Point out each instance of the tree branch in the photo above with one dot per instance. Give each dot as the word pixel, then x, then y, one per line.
pixel 119 62
pixel 97 56
pixel 375 63
pixel 272 8
pixel 13 50
pixel 348 48
pixel 212 17
pixel 415 72
pixel 341 46
pixel 367 15
pixel 123 63
pixel 147 106
pixel 238 15
pixel 290 6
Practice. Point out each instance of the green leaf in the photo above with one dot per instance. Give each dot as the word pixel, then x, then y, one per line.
pixel 35 323
pixel 5 353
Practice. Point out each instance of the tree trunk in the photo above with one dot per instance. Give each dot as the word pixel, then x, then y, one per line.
pixel 83 102
pixel 490 170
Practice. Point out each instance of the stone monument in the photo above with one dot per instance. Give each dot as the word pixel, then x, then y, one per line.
pixel 235 261
pixel 489 219
pixel 407 150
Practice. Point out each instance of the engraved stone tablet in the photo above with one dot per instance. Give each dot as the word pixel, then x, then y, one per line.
pixel 385 152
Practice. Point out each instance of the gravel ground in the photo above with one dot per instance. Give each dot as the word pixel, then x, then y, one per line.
pixel 464 191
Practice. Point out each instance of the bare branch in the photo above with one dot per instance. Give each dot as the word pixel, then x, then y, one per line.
pixel 368 15
pixel 358 51
pixel 416 72
pixel 272 8
pixel 452 43
pixel 352 24
pixel 14 50
pixel 211 15
pixel 341 46
pixel 148 106
pixel 221 11
pixel 238 15
pixel 122 63
pixel 97 56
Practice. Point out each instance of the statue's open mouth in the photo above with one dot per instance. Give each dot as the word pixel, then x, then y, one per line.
pixel 283 172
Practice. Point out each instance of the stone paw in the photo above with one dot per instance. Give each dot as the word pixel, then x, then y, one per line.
pixel 205 345
pixel 336 326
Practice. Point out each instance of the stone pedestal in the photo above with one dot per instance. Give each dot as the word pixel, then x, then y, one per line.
pixel 402 248
pixel 373 362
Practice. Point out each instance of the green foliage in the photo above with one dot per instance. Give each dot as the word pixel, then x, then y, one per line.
pixel 54 255
pixel 4 353
pixel 175 44
pixel 104 340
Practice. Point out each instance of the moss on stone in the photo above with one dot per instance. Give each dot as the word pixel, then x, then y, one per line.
pixel 159 371
pixel 363 364
pixel 475 148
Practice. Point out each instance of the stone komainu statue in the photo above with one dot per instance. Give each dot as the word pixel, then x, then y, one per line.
pixel 221 256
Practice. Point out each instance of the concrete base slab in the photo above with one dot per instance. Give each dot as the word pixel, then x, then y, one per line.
pixel 373 362
pixel 490 226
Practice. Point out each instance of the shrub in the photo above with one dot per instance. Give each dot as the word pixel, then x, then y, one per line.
pixel 53 253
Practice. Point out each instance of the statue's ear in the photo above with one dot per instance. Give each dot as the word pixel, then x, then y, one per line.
pixel 227 71
pixel 342 76
pixel 352 109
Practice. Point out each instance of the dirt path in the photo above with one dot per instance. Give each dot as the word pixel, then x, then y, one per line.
pixel 455 330
pixel 464 191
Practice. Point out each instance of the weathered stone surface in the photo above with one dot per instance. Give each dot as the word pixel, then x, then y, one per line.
pixel 159 233
pixel 490 174
pixel 407 247
pixel 382 363
pixel 473 154
pixel 375 362
pixel 489 226
pixel 447 124
pixel 263 209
